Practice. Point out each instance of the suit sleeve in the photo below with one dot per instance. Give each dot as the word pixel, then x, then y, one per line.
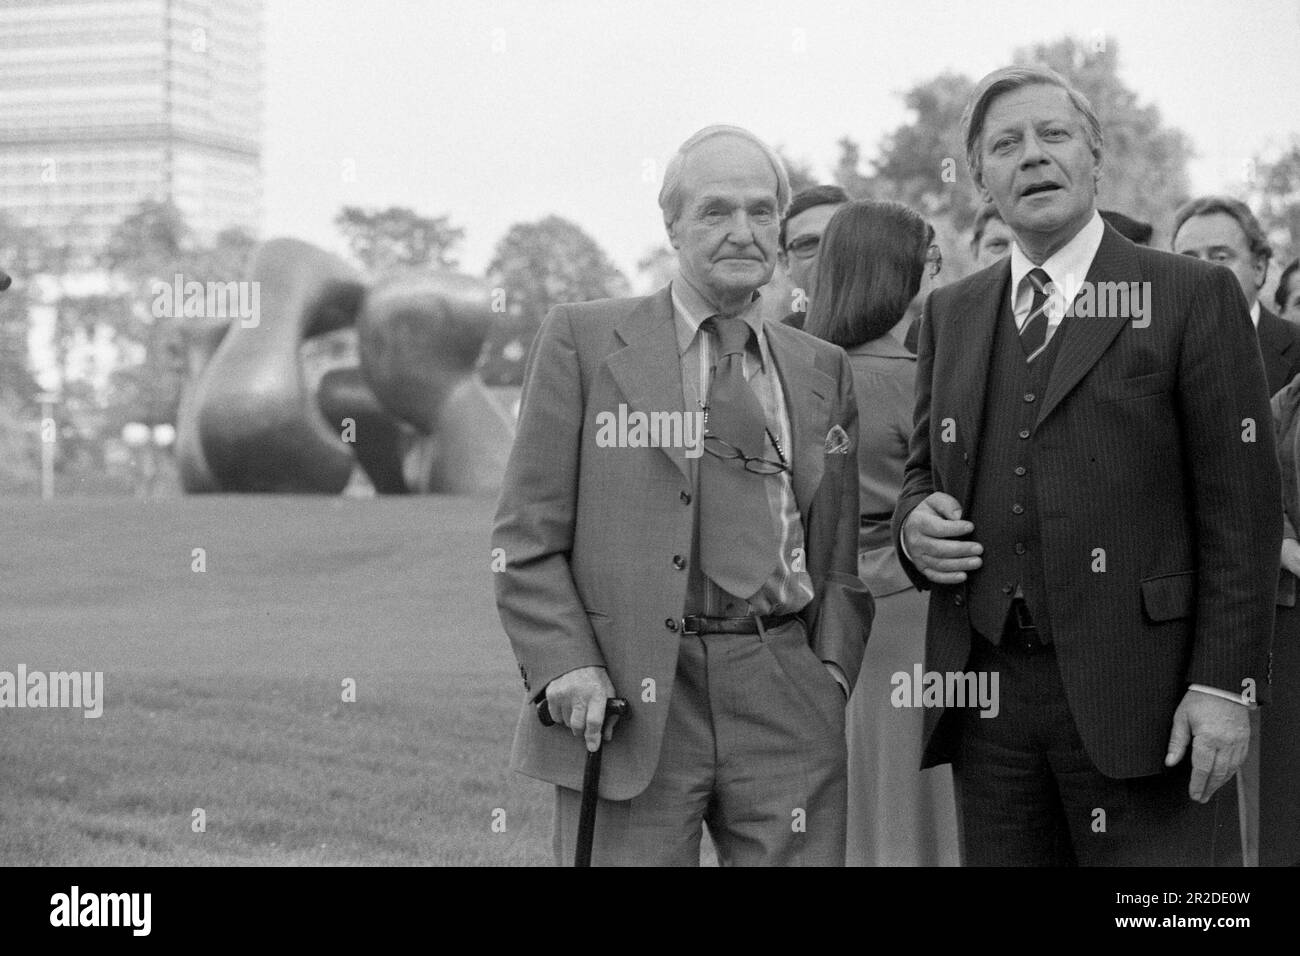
pixel 846 607
pixel 1231 460
pixel 536 596
pixel 918 480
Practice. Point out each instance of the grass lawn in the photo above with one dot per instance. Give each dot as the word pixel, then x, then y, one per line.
pixel 223 688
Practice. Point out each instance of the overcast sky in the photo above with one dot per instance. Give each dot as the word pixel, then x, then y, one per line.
pixel 496 112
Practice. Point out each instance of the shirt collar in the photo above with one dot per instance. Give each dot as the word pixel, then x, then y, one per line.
pixel 690 309
pixel 1068 266
pixel 1254 312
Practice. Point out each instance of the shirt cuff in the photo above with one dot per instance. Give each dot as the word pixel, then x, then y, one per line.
pixel 1225 694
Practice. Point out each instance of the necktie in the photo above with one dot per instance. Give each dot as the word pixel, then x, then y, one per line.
pixel 1034 333
pixel 738 543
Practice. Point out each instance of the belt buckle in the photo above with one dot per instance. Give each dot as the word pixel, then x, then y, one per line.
pixel 691 624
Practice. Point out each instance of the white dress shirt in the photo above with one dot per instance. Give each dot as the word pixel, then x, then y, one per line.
pixel 1067 267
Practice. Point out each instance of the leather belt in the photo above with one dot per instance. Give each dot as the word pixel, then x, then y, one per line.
pixel 700 624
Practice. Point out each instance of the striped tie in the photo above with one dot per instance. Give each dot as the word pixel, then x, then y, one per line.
pixel 1034 333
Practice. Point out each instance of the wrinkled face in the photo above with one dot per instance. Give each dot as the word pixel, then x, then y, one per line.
pixel 1291 304
pixel 1037 166
pixel 726 234
pixel 803 234
pixel 995 242
pixel 1217 237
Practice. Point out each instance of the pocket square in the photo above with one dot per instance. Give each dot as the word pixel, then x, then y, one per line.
pixel 837 441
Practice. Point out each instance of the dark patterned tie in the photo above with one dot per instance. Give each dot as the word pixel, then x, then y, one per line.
pixel 1034 333
pixel 738 542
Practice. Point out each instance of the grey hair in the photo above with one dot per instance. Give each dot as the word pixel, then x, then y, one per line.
pixel 670 195
pixel 1012 78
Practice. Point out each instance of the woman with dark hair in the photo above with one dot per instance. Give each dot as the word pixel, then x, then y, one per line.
pixel 874 258
pixel 1287 294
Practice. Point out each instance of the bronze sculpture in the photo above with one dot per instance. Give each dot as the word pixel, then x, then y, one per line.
pixel 413 413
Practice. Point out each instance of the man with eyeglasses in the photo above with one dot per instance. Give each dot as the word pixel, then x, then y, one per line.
pixel 714 588
pixel 799 240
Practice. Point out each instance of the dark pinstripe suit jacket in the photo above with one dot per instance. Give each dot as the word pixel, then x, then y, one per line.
pixel 1153 450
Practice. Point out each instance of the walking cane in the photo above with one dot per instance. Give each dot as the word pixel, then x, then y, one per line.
pixel 614 707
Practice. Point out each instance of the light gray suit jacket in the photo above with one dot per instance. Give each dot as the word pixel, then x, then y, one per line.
pixel 590 534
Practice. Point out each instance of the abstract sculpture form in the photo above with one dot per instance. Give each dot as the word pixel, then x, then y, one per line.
pixel 413 414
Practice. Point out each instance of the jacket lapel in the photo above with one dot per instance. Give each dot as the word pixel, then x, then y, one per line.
pixel 969 377
pixel 648 370
pixel 1085 338
pixel 808 393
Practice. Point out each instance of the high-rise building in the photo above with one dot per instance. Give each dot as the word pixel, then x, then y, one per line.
pixel 105 103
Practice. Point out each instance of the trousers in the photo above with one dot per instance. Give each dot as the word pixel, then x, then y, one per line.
pixel 753 750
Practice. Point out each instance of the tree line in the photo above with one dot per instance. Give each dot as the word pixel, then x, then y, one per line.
pixel 535 265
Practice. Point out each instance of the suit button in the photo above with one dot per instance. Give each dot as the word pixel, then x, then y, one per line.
pixel 1029 396
pixel 670 623
pixel 959 600
pixel 686 497
pixel 1020 548
pixel 1024 433
pixel 679 562
pixel 1020 471
pixel 1017 509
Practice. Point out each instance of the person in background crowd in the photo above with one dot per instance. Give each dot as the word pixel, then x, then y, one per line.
pixel 1133 230
pixel 873 258
pixel 801 232
pixel 990 237
pixel 1287 294
pixel 1224 230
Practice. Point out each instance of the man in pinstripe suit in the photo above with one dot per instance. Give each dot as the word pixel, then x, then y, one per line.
pixel 1091 498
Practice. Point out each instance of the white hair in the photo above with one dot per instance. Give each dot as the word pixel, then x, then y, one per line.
pixel 670 195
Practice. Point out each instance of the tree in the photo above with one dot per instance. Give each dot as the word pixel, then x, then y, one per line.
pixel 544 264
pixel 398 236
pixel 149 243
pixel 1273 187
pixel 923 163
pixel 800 173
pixel 226 259
pixel 657 267
pixel 22 249
pixel 537 266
